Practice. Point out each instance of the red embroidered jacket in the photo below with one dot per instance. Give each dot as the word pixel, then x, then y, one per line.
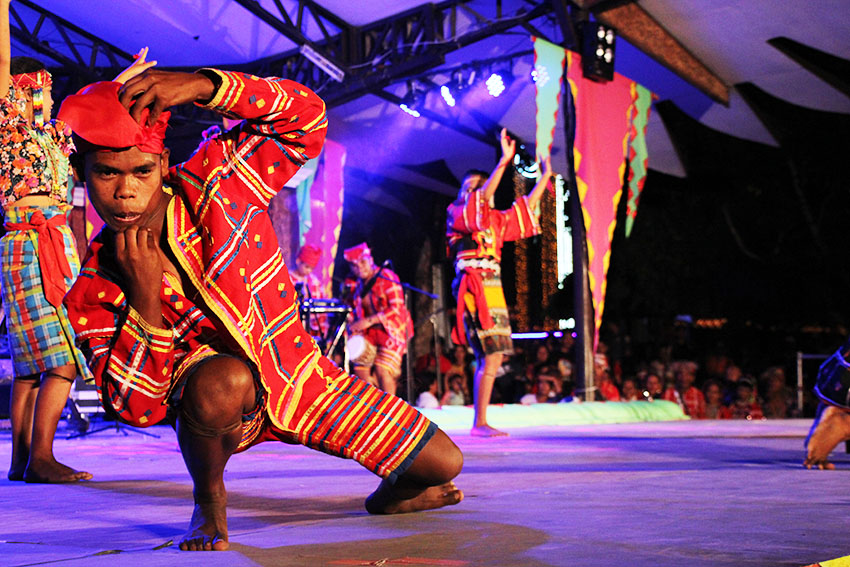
pixel 386 300
pixel 476 231
pixel 220 232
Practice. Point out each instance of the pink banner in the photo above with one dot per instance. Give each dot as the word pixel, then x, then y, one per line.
pixel 602 134
pixel 326 209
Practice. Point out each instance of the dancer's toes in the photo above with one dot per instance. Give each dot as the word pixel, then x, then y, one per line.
pixel 830 428
pixel 52 471
pixel 208 526
pixel 487 431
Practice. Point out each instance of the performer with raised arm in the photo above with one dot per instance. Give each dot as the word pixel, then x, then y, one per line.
pixel 476 233
pixel 39 260
pixel 184 306
pixel 381 319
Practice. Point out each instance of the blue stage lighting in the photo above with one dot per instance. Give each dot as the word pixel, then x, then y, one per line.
pixel 495 85
pixel 447 95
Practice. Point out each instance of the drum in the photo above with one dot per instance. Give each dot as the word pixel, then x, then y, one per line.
pixel 360 351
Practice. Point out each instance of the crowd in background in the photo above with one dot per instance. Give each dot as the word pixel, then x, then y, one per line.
pixel 703 379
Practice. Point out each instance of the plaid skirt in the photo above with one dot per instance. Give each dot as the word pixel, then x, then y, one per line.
pixel 40 336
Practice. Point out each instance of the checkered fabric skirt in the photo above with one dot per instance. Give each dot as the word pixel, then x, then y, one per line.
pixel 40 336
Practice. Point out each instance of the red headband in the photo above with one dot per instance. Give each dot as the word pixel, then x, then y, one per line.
pixel 97 116
pixel 34 80
pixel 310 255
pixel 355 252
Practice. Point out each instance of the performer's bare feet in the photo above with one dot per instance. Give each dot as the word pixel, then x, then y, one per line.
pixel 52 471
pixel 17 468
pixel 429 499
pixel 208 527
pixel 830 428
pixel 486 431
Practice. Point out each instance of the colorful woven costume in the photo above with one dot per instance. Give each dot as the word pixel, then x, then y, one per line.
pixel 385 300
pixel 38 251
pixel 243 300
pixel 476 234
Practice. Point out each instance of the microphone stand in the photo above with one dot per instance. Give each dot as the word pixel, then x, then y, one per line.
pixel 409 364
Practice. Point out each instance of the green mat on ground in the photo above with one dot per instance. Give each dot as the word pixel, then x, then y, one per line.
pixel 516 415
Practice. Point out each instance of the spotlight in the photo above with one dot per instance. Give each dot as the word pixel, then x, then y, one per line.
pixel 411 111
pixel 495 85
pixel 447 95
pixel 597 51
pixel 463 78
pixel 411 100
pixel 524 160
pixel 540 75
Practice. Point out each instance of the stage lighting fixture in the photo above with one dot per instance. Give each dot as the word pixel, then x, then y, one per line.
pixel 411 111
pixel 463 78
pixel 320 61
pixel 540 75
pixel 412 99
pixel 524 160
pixel 446 92
pixel 495 85
pixel 598 46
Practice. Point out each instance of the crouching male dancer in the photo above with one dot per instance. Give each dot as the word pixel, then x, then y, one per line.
pixel 185 306
pixel 832 422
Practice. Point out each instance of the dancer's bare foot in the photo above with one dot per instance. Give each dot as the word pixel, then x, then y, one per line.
pixel 831 428
pixel 17 468
pixel 486 431
pixel 52 471
pixel 208 527
pixel 429 499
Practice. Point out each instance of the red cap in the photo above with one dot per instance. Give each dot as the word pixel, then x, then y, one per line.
pixel 310 255
pixel 96 115
pixel 355 252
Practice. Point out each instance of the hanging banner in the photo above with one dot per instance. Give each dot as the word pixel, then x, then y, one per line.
pixel 601 143
pixel 638 155
pixel 326 197
pixel 548 76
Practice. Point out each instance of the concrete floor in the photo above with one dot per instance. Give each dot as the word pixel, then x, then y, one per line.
pixel 654 494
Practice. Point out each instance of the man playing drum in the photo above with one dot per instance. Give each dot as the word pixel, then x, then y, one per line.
pixel 380 318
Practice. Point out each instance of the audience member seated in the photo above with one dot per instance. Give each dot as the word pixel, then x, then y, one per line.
pixel 745 405
pixel 456 393
pixel 513 378
pixel 733 374
pixel 427 386
pixel 427 362
pixel 630 391
pixel 688 396
pixel 541 355
pixel 565 347
pixel 565 371
pixel 547 387
pixel 654 387
pixel 605 386
pixel 777 399
pixel 714 406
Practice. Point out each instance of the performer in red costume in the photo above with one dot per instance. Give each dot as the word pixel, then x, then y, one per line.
pixel 476 233
pixel 309 286
pixel 38 255
pixel 184 307
pixel 380 317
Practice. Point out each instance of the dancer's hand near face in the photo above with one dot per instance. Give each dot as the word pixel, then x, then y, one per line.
pixel 140 259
